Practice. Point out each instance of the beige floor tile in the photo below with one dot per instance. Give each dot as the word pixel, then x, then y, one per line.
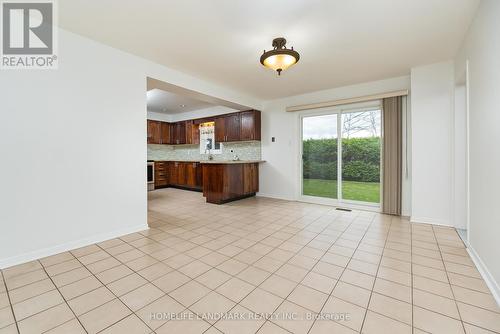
pixel 130 325
pixel 178 260
pixel 6 317
pixel 78 288
pixel 357 278
pixel 126 284
pixel 268 264
pixel 253 275
pixel 307 297
pixel 55 259
pixel 210 304
pixel 155 271
pixel 352 294
pixel 232 267
pixel 298 325
pixel 37 304
pixel 154 314
pixel 239 322
pixel 71 276
pixel 63 267
pixel 213 278
pixel 30 290
pixel 278 285
pixel 261 301
pixel 344 313
pixel 338 260
pixel 429 285
pixel 432 273
pixel 394 276
pixel 171 281
pixel 72 326
pixel 270 328
pixel 79 252
pixel 235 289
pixel 187 326
pixel 480 317
pixel 476 298
pixel 468 282
pixel 25 279
pixel 328 326
pixel 470 329
pixel 214 259
pixel 46 320
pixel 194 269
pixel 328 269
pixel 292 272
pixel 394 290
pixel 435 303
pixel 391 308
pixel 21 269
pixel 114 274
pixel 104 316
pixel 90 300
pixel 141 296
pixel 319 282
pixel 433 322
pixel 189 293
pixel 102 265
pixel 379 324
pixel 94 257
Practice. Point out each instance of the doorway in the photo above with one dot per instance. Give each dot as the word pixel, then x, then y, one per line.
pixel 341 156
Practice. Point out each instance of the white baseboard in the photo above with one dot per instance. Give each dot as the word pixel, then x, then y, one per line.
pixel 44 252
pixel 433 221
pixel 285 198
pixel 485 273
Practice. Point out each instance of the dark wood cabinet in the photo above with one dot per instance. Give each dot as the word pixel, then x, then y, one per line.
pixel 250 125
pixel 165 133
pixel 232 126
pixel 220 129
pixel 154 132
pixel 192 132
pixel 178 133
pixel 161 174
pixel 228 182
pixel 239 126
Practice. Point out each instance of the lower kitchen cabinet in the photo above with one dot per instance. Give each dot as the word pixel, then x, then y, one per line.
pixel 223 182
pixel 161 174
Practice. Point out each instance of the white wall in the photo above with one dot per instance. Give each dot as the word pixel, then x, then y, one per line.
pixel 482 49
pixel 279 176
pixel 73 148
pixel 200 113
pixel 432 122
pixel 459 213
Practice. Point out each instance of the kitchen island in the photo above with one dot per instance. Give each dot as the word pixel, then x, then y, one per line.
pixel 226 181
pixel 220 181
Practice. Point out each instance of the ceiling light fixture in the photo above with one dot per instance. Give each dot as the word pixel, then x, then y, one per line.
pixel 182 106
pixel 280 58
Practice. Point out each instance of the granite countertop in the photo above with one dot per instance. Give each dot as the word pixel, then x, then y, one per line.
pixel 215 161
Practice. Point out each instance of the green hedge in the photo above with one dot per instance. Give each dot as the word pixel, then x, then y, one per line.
pixel 360 157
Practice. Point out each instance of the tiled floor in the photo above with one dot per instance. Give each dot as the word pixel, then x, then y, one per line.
pixel 310 269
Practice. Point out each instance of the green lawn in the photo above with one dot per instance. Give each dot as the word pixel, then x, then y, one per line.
pixel 356 191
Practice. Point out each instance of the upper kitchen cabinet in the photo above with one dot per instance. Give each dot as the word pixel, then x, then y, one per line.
pixel 192 132
pixel 250 125
pixel 154 132
pixel 165 133
pixel 232 126
pixel 178 133
pixel 220 129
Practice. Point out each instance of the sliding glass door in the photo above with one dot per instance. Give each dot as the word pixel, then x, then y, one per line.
pixel 319 156
pixel 353 135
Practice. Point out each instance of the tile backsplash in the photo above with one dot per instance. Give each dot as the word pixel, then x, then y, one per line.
pixel 250 150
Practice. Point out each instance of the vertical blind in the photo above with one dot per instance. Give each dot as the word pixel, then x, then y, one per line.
pixel 392 144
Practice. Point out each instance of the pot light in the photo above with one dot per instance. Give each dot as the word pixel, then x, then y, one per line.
pixel 280 58
pixel 182 105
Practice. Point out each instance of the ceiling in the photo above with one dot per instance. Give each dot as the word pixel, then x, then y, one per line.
pixel 340 42
pixel 170 103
